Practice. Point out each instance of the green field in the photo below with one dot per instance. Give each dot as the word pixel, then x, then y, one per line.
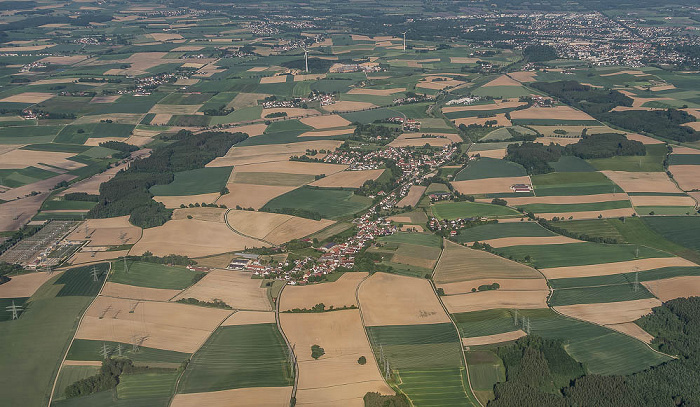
pixel 454 210
pixel 502 91
pixel 483 323
pixel 624 278
pixel 652 161
pixel 70 375
pixel 499 230
pixel 422 239
pixel 436 187
pixel 580 254
pixel 682 231
pixel 568 163
pixel 573 183
pixel 239 356
pixel 79 281
pixel 330 203
pixel 109 399
pixel 684 159
pixel 35 343
pixel 273 178
pixel 14 178
pixel 28 134
pixel 67 205
pixel 485 370
pixel 594 228
pixel 490 168
pixel 601 350
pixel 194 182
pixel 424 358
pixel 666 210
pixel 84 349
pixel 153 275
pixel 580 207
pixel 79 133
pixel 158 386
pixel 598 294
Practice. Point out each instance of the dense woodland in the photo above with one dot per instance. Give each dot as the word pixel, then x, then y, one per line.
pixel 662 123
pixel 587 98
pixel 539 53
pixel 539 372
pixel 537 157
pixel 599 102
pixel 128 192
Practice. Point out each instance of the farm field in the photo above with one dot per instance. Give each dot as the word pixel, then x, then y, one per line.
pixel 580 254
pixel 490 168
pixel 453 210
pixel 255 356
pixel 602 350
pixel 195 182
pixel 574 183
pixel 502 230
pixel 341 335
pixel 338 294
pixel 194 238
pixel 329 203
pixel 354 213
pixel 459 263
pixel 409 253
pixel 165 325
pixel 424 358
pixel 37 356
pixel 236 289
pixel 153 275
pixel 384 301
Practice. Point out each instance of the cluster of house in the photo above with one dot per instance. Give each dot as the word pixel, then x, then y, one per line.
pixel 407 124
pixel 453 225
pixel 348 68
pixel 324 99
pixel 542 101
pixel 440 196
pixel 468 100
pixel 412 99
pixel 28 67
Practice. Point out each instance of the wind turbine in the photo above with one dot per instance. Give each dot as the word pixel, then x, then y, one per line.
pixel 306 59
pixel 404 40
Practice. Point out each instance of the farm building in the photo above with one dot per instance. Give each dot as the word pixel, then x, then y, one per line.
pixel 521 188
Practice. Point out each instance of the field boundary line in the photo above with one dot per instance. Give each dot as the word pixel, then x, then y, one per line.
pixel 65 355
pixel 179 378
pixel 454 324
pixel 289 346
pixel 362 319
pixel 240 233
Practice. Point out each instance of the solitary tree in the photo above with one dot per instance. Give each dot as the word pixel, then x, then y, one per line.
pixel 317 351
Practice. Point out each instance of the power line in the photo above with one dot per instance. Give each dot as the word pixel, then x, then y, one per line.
pixel 14 309
pixel 95 274
pixel 104 352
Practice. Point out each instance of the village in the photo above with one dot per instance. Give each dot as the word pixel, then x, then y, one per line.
pixel 371 225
